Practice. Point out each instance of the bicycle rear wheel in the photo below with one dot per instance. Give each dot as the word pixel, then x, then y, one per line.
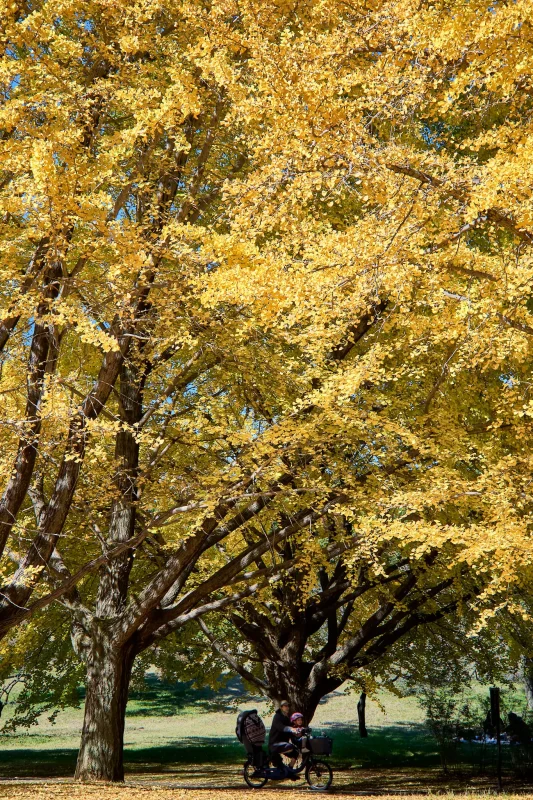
pixel 248 774
pixel 319 775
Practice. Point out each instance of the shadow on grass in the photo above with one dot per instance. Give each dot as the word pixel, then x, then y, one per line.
pixel 393 746
pixel 60 762
pixel 400 746
pixel 28 763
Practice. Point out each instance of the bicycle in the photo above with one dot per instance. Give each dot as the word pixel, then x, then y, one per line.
pixel 317 772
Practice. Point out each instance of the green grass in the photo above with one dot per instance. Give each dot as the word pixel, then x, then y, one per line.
pixel 165 718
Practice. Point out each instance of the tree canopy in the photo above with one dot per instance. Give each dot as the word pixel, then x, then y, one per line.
pixel 265 280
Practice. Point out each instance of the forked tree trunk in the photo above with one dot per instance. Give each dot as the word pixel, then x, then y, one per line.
pixel 294 685
pixel 102 740
pixel 299 700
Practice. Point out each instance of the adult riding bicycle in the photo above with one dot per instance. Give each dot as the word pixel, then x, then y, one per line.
pixel 258 769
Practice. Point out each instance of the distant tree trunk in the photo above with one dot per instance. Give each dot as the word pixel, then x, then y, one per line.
pixel 361 714
pixel 108 676
pixel 527 678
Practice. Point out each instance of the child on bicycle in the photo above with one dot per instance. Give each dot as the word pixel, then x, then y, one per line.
pixel 299 735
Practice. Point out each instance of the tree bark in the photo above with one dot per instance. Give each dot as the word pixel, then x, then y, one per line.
pixel 294 681
pixel 22 471
pixel 109 667
pixel 114 576
pixel 300 697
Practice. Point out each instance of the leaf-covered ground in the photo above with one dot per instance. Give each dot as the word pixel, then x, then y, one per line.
pixel 99 792
pixel 71 791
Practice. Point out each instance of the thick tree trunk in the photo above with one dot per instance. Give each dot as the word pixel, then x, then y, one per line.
pixel 300 699
pixel 295 683
pixel 108 665
pixel 288 680
pixel 102 740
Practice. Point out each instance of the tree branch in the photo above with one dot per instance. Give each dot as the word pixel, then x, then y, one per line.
pixel 232 661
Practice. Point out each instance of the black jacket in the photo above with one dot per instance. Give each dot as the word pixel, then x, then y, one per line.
pixel 280 730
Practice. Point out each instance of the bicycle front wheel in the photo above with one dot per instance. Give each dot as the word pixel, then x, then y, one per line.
pixel 319 775
pixel 253 782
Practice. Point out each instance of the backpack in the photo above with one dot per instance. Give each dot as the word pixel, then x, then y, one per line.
pixel 251 726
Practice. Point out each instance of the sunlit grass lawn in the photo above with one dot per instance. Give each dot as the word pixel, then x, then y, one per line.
pixel 161 719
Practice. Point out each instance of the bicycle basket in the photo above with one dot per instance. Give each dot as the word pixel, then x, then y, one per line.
pixel 321 745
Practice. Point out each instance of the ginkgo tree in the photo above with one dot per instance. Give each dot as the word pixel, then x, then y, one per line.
pixel 247 251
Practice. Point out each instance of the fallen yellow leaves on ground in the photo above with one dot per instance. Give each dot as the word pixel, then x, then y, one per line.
pixel 87 792
pixel 45 791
